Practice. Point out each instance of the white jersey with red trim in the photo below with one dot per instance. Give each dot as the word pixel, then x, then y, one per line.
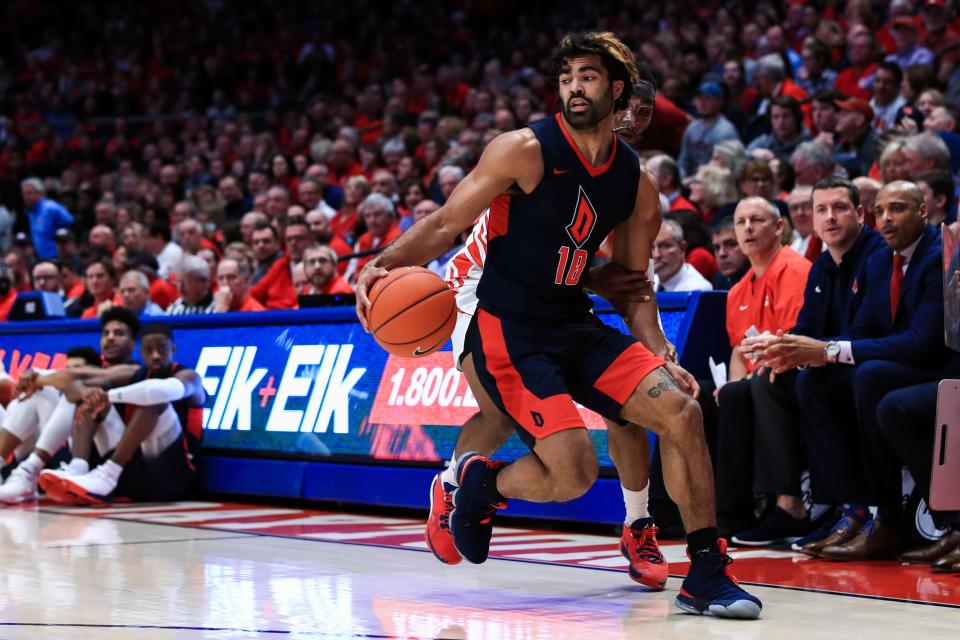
pixel 466 267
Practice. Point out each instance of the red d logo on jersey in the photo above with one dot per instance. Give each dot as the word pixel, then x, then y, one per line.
pixel 584 220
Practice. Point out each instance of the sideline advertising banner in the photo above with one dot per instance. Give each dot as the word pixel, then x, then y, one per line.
pixel 305 384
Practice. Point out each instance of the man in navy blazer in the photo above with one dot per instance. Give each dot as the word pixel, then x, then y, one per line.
pixel 896 340
pixel 769 456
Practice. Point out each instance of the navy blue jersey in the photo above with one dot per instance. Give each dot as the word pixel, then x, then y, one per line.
pixel 191 417
pixel 540 244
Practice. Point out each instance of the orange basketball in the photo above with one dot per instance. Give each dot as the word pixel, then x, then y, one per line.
pixel 6 391
pixel 412 312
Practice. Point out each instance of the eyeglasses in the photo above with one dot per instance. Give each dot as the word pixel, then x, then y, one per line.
pixel 318 261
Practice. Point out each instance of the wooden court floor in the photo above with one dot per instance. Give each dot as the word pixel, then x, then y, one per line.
pixel 222 570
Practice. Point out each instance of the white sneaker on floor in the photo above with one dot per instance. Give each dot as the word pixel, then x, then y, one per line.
pixel 96 487
pixel 21 486
pixel 51 481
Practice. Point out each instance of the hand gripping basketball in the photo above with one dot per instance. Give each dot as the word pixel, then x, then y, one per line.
pixel 412 312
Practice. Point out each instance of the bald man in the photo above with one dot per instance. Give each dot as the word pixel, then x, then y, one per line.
pixel 895 340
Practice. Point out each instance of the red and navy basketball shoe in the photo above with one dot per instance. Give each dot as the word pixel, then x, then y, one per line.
pixel 475 502
pixel 437 533
pixel 638 544
pixel 711 590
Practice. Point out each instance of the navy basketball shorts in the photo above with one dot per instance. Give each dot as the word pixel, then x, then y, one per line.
pixel 536 370
pixel 164 478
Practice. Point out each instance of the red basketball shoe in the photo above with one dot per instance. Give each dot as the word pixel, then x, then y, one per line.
pixel 437 533
pixel 638 544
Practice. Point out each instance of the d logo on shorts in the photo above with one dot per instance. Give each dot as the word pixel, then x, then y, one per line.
pixel 537 419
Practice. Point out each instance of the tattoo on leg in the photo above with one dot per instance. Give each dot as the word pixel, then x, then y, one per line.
pixel 666 383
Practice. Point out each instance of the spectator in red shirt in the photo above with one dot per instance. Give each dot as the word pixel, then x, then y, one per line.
pixel 863 51
pixel 319 262
pixel 345 223
pixel 101 279
pixel 70 280
pixel 382 229
pixel 666 172
pixel 46 276
pixel 250 221
pixel 343 163
pixel 278 202
pixel 275 290
pixel 102 236
pixel 190 236
pixel 323 234
pixel 7 293
pixel 772 82
pixel 939 34
pixel 266 250
pixel 162 292
pixel 233 294
pixel 19 272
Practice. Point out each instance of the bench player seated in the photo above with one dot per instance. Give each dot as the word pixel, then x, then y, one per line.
pixel 147 420
pixel 22 424
pixel 36 390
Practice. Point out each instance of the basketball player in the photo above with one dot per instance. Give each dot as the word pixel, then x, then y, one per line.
pixel 556 189
pixel 486 433
pixel 118 331
pixel 146 418
pixel 20 429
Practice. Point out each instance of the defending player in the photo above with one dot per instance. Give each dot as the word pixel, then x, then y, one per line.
pixel 556 189
pixel 487 430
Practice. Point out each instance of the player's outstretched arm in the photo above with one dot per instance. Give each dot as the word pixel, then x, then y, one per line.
pixel 91 376
pixel 512 158
pixel 193 386
pixel 157 391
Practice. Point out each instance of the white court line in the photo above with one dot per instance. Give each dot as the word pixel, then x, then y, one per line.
pixel 315 521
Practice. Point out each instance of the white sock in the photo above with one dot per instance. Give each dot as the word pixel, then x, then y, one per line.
pixel 112 469
pixel 78 466
pixel 636 503
pixel 149 392
pixel 33 464
pixel 449 474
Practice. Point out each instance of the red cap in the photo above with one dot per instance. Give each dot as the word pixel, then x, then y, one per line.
pixel 856 104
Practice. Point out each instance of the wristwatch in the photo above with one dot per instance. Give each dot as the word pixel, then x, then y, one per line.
pixel 833 351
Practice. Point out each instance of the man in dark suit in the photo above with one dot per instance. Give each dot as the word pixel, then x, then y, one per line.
pixel 776 460
pixel 896 340
pixel 907 419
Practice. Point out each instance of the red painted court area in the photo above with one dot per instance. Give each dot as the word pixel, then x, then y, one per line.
pixel 883 580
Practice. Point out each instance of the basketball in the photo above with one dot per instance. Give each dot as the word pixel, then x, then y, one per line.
pixel 6 391
pixel 412 312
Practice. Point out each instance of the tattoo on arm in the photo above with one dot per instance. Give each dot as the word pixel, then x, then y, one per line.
pixel 666 383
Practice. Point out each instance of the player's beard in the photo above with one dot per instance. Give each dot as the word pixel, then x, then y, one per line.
pixel 591 117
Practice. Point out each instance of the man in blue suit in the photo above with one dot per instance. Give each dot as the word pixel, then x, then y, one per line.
pixel 896 340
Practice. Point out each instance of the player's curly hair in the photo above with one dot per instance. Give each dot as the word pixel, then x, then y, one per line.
pixel 616 57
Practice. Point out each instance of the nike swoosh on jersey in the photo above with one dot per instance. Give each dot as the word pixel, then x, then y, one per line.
pixel 817 288
pixel 744 307
pixel 560 172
